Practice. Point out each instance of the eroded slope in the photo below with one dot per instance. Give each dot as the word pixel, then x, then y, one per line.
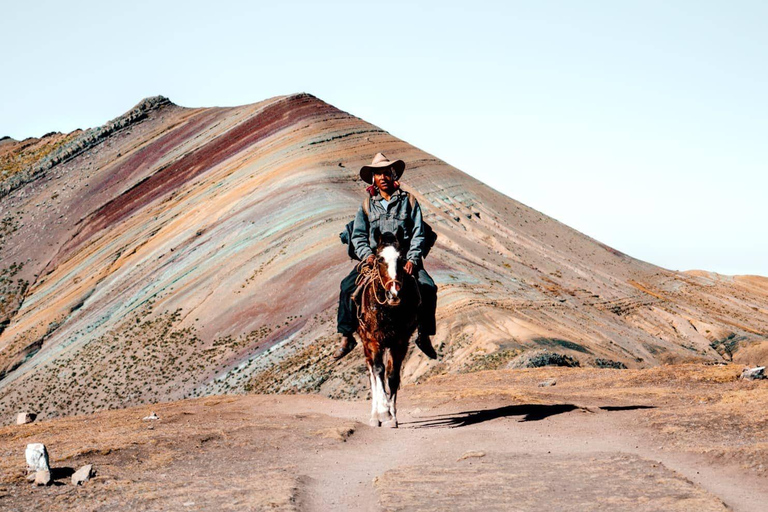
pixel 177 252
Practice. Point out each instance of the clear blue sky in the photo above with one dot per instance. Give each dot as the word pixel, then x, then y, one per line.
pixel 643 124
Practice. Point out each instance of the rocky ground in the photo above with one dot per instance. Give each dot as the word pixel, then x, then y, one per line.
pixel 685 437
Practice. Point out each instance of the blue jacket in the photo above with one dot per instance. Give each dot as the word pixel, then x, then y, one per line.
pixel 398 213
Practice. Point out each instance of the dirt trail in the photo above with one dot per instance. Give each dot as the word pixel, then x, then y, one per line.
pixel 664 439
pixel 343 478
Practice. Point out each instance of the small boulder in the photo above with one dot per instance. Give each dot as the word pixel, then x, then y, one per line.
pixel 83 474
pixel 43 477
pixel 25 417
pixel 753 373
pixel 151 417
pixel 547 383
pixel 37 457
pixel 471 455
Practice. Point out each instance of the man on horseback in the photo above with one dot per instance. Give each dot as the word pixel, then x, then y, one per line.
pixel 388 208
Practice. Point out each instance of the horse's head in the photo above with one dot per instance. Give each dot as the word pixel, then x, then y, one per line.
pixel 390 259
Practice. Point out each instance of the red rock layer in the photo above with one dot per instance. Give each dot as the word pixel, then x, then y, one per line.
pixel 192 251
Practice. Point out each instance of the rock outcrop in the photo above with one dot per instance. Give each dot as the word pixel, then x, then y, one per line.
pixel 81 143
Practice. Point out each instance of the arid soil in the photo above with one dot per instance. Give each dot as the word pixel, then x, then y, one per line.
pixel 683 437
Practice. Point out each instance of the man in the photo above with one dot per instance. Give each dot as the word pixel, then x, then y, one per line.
pixel 389 208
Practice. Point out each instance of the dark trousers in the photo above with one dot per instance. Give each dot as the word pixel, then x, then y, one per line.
pixel 347 316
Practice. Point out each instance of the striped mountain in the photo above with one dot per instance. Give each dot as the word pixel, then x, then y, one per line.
pixel 177 252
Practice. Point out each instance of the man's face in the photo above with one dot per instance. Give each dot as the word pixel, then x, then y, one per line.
pixel 384 180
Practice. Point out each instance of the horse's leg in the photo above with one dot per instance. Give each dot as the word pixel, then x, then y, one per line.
pixel 392 385
pixel 370 347
pixel 374 421
pixel 382 407
pixel 394 365
pixel 375 364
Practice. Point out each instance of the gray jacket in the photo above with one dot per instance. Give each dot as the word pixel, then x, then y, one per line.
pixel 398 213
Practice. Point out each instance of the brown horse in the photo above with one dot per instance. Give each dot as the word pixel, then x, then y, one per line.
pixel 387 313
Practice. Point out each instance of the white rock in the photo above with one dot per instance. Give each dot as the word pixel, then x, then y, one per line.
pixel 753 373
pixel 83 474
pixel 152 416
pixel 24 417
pixel 37 457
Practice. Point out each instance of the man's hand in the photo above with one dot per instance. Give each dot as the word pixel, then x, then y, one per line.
pixel 409 268
pixel 371 260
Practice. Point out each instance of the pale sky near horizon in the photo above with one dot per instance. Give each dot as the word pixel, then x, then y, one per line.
pixel 642 124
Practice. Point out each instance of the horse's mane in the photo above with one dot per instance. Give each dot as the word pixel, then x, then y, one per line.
pixel 389 238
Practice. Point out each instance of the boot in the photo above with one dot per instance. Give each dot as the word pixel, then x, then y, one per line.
pixel 348 343
pixel 422 341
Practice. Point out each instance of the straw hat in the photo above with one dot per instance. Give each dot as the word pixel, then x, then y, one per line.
pixel 381 162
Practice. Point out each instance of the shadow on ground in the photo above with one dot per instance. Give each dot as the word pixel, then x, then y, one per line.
pixel 61 474
pixel 529 412
pixel 626 407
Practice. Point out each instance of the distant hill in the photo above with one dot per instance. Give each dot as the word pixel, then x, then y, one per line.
pixel 177 252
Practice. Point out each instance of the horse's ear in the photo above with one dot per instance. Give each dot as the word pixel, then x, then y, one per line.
pixel 377 235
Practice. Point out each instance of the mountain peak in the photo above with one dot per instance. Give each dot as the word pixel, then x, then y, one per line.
pixel 150 103
pixel 178 252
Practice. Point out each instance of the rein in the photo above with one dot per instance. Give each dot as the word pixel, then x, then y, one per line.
pixel 369 276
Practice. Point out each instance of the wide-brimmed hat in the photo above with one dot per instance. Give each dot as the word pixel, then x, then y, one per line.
pixel 381 162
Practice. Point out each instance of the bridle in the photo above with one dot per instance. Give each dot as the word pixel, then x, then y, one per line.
pixel 368 276
pixel 386 285
pixel 371 275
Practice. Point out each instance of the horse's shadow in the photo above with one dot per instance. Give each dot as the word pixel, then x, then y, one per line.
pixel 529 412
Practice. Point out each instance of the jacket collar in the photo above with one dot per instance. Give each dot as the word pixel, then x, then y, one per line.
pixel 396 194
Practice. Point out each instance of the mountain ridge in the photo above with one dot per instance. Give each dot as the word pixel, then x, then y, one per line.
pixel 189 251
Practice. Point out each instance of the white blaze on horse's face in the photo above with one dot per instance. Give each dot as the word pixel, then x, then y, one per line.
pixel 390 256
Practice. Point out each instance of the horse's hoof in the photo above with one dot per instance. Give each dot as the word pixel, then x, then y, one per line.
pixel 374 423
pixel 390 424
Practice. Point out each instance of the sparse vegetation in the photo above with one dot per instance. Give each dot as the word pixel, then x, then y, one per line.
pixel 12 290
pixel 29 152
pixel 540 358
pixel 8 225
pixel 609 363
pixel 149 358
pixel 492 361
